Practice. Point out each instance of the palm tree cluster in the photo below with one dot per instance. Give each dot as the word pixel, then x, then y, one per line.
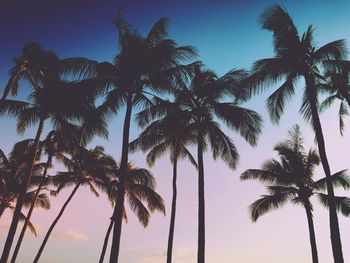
pixel 182 108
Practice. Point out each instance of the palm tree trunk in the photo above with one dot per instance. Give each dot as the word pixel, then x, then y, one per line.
pixel 21 196
pixel 118 209
pixel 312 234
pixel 105 243
pixel 173 213
pixel 333 222
pixel 2 208
pixel 24 228
pixel 201 202
pixel 54 224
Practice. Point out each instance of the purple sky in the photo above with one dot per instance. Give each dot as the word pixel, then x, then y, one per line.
pixel 227 36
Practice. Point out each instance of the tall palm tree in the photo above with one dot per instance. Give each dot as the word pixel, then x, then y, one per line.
pixel 56 100
pixel 158 138
pixel 144 66
pixel 297 57
pixel 90 168
pixel 34 64
pixel 12 169
pixel 141 195
pixel 57 142
pixel 199 103
pixel 290 179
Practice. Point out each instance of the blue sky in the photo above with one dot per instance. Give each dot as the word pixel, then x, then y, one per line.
pixel 227 36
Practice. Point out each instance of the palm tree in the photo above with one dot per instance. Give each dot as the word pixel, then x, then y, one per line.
pixel 34 64
pixel 140 193
pixel 290 179
pixel 56 100
pixel 144 66
pixel 57 142
pixel 158 138
pixel 86 168
pixel 337 85
pixel 199 103
pixel 12 169
pixel 297 57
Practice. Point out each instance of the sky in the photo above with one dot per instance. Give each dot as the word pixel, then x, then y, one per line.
pixel 227 36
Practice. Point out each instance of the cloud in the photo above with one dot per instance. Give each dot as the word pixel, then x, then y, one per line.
pixel 70 234
pixel 183 254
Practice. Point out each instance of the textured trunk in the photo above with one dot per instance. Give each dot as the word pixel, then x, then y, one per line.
pixel 20 199
pixel 105 243
pixel 118 210
pixel 173 213
pixel 312 234
pixel 333 217
pixel 43 244
pixel 24 228
pixel 201 202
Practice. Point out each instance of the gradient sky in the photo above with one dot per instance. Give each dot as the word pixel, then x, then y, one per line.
pixel 227 35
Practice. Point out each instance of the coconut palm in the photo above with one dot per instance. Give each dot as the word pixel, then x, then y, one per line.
pixel 297 57
pixel 86 168
pixel 34 64
pixel 57 142
pixel 12 169
pixel 290 179
pixel 199 103
pixel 141 196
pixel 158 138
pixel 56 100
pixel 144 66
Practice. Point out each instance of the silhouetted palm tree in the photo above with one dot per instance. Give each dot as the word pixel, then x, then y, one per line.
pixel 297 57
pixel 57 142
pixel 291 179
pixel 12 169
pixel 200 103
pixel 56 100
pixel 90 168
pixel 34 65
pixel 145 66
pixel 158 138
pixel 141 195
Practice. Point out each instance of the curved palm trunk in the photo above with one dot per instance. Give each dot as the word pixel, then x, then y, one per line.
pixel 333 217
pixel 43 244
pixel 24 228
pixel 118 209
pixel 311 234
pixel 105 243
pixel 173 213
pixel 20 199
pixel 201 202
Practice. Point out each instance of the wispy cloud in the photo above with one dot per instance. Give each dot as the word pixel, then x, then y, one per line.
pixel 71 234
pixel 182 254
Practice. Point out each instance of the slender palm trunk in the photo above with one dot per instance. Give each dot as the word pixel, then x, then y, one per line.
pixel 311 234
pixel 105 242
pixel 20 199
pixel 24 228
pixel 333 217
pixel 43 244
pixel 2 208
pixel 201 202
pixel 173 213
pixel 118 209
